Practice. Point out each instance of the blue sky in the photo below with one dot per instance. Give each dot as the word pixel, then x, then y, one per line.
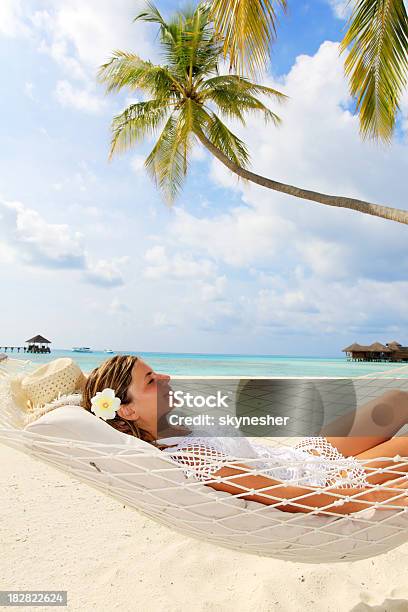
pixel 89 253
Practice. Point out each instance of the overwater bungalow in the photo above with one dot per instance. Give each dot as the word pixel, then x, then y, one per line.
pixel 392 352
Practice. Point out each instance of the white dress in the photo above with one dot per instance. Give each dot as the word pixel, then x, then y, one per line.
pixel 313 461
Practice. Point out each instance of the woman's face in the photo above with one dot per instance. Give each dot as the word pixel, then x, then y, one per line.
pixel 148 395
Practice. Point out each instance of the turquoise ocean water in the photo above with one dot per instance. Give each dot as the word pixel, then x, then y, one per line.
pixel 231 365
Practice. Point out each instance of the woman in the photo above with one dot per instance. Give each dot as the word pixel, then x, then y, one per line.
pixel 137 386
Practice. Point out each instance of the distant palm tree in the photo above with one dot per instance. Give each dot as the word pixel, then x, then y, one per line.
pixel 376 64
pixel 184 95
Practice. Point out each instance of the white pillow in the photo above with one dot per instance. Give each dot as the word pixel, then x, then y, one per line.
pixel 76 423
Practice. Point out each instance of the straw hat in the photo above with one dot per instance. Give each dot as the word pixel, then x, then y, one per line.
pixel 47 383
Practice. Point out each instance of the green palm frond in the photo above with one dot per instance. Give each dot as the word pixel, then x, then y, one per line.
pixel 123 70
pixel 222 138
pixel 135 123
pixel 244 84
pixel 248 27
pixel 129 70
pixel 234 96
pixel 377 64
pixel 151 14
pixel 167 163
pixel 228 103
pixel 235 104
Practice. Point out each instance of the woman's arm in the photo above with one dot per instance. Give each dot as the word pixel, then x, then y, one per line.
pixel 268 491
pixel 372 424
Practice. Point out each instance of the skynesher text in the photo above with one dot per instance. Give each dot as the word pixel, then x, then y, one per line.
pixel 206 420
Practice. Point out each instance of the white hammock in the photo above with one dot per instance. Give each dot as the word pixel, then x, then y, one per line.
pixel 141 476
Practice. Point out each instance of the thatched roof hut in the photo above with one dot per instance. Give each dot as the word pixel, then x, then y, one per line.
pixel 39 340
pixel 355 348
pixel 394 345
pixel 397 351
pixel 377 347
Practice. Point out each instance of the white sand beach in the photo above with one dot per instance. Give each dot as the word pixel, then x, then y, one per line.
pixel 58 533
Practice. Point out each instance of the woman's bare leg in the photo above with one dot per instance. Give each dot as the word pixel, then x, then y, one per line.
pixel 391 448
pixel 374 423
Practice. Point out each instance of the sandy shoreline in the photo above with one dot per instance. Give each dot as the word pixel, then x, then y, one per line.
pixel 58 533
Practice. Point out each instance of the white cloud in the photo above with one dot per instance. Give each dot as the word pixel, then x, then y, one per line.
pixel 404 111
pixel 107 273
pixel 7 253
pixel 162 319
pixel 137 163
pixel 162 265
pixel 80 98
pixel 198 154
pixel 221 317
pixel 90 31
pixel 39 242
pixel 237 238
pixel 79 36
pixel 213 291
pixel 326 259
pixel 341 8
pixel 117 307
pixel 27 237
pixel 315 308
pixel 29 90
pixel 12 22
pixel 197 290
pixel 279 308
pixel 59 51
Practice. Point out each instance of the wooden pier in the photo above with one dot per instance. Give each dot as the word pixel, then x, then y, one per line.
pixel 25 349
pixel 37 344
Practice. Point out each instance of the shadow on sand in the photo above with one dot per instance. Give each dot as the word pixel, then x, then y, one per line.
pixel 388 605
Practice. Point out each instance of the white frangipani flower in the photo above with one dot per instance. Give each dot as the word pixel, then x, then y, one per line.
pixel 105 404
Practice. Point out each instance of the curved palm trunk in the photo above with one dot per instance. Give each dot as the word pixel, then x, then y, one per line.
pixel 385 212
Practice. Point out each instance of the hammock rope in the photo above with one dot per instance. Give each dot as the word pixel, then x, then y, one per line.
pixel 141 476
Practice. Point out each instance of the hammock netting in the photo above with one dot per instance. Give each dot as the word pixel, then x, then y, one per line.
pixel 172 493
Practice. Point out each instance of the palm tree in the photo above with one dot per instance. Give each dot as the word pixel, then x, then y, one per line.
pixel 182 96
pixel 376 41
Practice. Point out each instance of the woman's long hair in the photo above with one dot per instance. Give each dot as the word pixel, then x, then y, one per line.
pixel 115 373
